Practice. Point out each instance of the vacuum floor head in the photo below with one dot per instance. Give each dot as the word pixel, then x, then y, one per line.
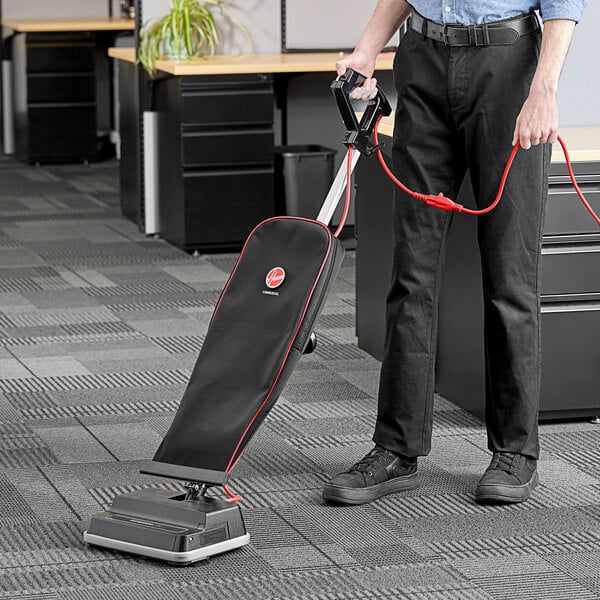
pixel 168 526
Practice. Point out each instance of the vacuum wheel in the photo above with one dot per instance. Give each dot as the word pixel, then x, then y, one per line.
pixel 311 344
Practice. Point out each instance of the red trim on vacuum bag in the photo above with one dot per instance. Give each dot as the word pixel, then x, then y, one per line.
pixel 233 460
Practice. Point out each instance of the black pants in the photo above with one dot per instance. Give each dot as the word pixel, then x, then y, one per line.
pixel 456 111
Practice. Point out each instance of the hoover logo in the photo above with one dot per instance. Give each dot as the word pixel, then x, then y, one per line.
pixel 275 277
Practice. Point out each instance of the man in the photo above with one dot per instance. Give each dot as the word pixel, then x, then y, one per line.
pixel 473 77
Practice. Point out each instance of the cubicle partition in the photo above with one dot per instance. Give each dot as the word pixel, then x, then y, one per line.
pixel 306 27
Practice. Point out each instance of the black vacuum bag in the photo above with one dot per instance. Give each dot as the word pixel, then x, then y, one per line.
pixel 259 329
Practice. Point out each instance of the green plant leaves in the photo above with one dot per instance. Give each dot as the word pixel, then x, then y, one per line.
pixel 188 31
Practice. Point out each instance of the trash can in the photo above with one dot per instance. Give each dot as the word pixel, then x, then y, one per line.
pixel 303 176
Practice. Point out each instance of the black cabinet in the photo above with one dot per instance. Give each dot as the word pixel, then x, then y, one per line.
pixel 570 305
pixel 571 296
pixel 565 215
pixel 570 300
pixel 54 79
pixel 215 156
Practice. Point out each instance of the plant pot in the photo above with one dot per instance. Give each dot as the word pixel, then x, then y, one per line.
pixel 176 52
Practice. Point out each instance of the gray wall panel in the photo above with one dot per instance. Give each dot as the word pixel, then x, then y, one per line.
pixel 579 92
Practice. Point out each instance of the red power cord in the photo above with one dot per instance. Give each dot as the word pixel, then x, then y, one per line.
pixel 442 202
pixel 232 497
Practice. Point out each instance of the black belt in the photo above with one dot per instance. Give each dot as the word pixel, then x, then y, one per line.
pixel 496 33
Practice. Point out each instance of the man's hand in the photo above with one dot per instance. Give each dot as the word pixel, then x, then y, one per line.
pixel 387 17
pixel 537 122
pixel 364 65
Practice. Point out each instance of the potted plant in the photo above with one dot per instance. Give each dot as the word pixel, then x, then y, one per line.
pixel 187 31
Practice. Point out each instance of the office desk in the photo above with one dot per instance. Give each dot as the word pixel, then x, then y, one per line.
pixel 67 24
pixel 210 138
pixel 54 86
pixel 570 284
pixel 301 62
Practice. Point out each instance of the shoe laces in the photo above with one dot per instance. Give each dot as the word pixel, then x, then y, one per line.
pixel 372 460
pixel 503 461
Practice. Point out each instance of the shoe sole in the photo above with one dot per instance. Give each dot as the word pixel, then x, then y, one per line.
pixel 345 495
pixel 505 494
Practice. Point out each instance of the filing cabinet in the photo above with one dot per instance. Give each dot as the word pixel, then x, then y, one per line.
pixel 570 305
pixel 55 96
pixel 570 294
pixel 216 158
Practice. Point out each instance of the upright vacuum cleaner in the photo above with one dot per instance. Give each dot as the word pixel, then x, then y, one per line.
pixel 263 322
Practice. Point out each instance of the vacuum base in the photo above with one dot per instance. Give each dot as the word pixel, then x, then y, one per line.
pixel 164 525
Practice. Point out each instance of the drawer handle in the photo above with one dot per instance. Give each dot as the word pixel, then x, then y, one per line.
pixel 591 187
pixel 566 179
pixel 564 308
pixel 569 249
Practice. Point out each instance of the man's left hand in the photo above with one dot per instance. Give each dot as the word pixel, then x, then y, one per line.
pixel 537 122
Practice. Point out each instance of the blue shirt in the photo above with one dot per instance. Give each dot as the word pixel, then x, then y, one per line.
pixel 471 12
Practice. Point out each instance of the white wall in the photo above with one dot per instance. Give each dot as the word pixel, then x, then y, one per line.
pixel 56 8
pixel 155 8
pixel 262 19
pixel 579 92
pixel 309 26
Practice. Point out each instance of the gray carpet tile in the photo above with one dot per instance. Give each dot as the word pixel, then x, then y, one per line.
pixel 99 331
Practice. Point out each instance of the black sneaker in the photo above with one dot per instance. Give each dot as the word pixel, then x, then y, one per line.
pixel 379 473
pixel 509 478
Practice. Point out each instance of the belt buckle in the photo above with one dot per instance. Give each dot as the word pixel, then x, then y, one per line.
pixel 445 38
pixel 473 35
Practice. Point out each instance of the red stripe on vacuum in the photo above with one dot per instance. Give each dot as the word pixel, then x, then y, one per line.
pixel 233 460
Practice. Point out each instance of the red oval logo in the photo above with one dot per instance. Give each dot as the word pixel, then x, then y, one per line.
pixel 275 277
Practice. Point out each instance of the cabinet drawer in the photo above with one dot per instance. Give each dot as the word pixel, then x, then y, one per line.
pixel 61 87
pixel 571 269
pixel 62 132
pixel 222 207
pixel 227 107
pixel 60 56
pixel 227 147
pixel 565 213
pixel 570 359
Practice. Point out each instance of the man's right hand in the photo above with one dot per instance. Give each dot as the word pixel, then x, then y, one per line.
pixel 364 65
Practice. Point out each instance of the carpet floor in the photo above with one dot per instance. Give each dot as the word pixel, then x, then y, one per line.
pixel 99 330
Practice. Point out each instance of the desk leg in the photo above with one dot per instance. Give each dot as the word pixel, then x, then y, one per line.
pixel 150 146
pixel 281 88
pixel 8 123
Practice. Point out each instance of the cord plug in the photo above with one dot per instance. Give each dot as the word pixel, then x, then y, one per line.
pixel 441 201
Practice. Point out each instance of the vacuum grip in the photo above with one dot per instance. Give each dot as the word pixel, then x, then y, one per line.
pixel 341 89
pixel 358 133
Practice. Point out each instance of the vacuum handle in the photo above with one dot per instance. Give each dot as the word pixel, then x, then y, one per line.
pixel 358 133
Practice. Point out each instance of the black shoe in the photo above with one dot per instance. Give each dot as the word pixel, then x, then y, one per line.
pixel 379 473
pixel 509 478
